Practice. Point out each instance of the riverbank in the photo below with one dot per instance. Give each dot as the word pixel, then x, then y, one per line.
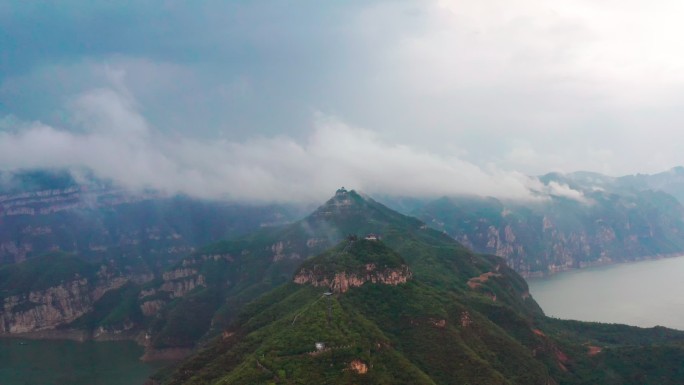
pixel 558 269
pixel 150 354
pixel 78 336
pixel 70 362
pixel 644 293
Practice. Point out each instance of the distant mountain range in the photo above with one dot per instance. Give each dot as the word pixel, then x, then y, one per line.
pixel 603 220
pixel 353 292
pixel 406 305
pixel 580 219
pixel 141 233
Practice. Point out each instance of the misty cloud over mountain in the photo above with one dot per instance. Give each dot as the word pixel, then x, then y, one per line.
pixel 117 143
pixel 263 100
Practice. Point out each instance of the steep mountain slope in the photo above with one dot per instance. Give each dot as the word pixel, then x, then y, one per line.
pixel 359 313
pixel 49 292
pixel 202 293
pixel 561 233
pixel 670 181
pixel 379 324
pixel 53 225
pixel 143 232
pixel 240 270
pixel 413 306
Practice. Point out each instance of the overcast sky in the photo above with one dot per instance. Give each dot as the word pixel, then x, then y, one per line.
pixel 263 100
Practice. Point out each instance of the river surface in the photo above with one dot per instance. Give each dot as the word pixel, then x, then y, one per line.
pixel 50 362
pixel 646 294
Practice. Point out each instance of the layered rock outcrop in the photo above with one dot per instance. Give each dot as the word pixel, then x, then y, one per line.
pixel 558 235
pixel 54 306
pixel 342 281
pixel 181 281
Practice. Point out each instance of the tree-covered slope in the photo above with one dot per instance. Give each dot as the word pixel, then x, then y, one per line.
pixel 241 270
pixel 448 316
pixel 415 333
pixel 376 332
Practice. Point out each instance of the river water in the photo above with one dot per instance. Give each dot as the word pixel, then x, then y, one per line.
pixel 51 362
pixel 646 294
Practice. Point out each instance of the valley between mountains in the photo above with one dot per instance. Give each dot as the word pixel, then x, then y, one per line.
pixel 355 292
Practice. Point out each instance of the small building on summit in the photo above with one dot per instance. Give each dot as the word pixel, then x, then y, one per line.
pixel 372 237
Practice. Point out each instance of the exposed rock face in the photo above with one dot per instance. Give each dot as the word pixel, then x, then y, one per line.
pixel 440 323
pixel 45 211
pixel 150 308
pixel 283 250
pixel 16 251
pixel 343 281
pixel 536 239
pixel 45 202
pixel 476 282
pixel 178 273
pixel 52 307
pixel 113 283
pixel 358 366
pixel 191 261
pixel 466 319
pixel 180 281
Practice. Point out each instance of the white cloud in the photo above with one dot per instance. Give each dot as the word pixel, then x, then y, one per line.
pixel 117 143
pixel 464 88
pixel 606 46
pixel 564 191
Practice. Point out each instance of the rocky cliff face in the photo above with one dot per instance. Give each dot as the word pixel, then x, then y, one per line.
pixel 179 282
pixel 44 211
pixel 558 235
pixel 49 201
pixel 343 281
pixel 52 307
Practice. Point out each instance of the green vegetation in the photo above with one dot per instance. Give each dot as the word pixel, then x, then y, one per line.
pixel 462 319
pixel 43 272
pixel 184 321
pixel 117 310
pixel 410 333
pixel 352 257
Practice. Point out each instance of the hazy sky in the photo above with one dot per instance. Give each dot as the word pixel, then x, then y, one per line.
pixel 290 100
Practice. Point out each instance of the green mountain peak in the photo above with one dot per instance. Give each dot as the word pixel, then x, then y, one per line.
pixel 353 263
pixel 415 307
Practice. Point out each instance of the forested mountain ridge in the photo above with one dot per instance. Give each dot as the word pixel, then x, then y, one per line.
pixel 409 305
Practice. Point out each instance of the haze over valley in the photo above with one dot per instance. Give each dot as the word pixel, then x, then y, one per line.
pixel 172 208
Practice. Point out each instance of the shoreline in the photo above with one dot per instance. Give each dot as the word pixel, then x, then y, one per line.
pixel 74 335
pixel 589 265
pixel 149 354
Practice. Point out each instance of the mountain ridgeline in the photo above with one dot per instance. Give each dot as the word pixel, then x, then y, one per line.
pixel 142 233
pixel 609 220
pixel 353 293
pixel 353 264
pixel 232 273
pixel 412 306
pixel 195 297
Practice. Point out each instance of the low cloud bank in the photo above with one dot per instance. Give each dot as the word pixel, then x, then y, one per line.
pixel 114 140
